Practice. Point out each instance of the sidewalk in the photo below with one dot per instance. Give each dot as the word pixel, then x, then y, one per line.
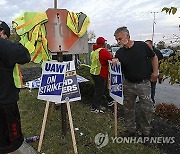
pixel 25 149
pixel 167 93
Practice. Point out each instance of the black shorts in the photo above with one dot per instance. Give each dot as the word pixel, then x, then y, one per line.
pixel 11 137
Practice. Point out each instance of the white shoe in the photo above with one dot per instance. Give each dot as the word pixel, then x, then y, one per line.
pixel 111 103
pixel 97 110
pixel 102 108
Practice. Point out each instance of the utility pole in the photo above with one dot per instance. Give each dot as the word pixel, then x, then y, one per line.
pixel 179 25
pixel 55 4
pixel 59 58
pixel 153 25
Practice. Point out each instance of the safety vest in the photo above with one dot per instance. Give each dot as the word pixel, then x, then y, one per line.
pixel 78 23
pixel 17 76
pixel 95 63
pixel 30 26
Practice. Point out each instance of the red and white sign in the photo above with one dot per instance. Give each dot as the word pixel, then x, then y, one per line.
pixel 60 37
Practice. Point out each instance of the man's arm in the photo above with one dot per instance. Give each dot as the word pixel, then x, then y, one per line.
pixel 154 75
pixel 23 54
pixel 17 53
pixel 105 55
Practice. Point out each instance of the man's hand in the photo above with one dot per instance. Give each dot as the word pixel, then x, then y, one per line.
pixel 115 61
pixel 154 77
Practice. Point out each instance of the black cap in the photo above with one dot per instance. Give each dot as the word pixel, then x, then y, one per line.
pixel 5 27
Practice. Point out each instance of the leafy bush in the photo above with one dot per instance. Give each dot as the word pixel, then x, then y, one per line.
pixel 169 112
pixel 170 68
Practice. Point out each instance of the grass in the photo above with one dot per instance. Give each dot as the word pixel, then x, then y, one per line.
pixel 90 124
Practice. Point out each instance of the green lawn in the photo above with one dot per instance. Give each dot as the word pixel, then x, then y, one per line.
pixel 90 124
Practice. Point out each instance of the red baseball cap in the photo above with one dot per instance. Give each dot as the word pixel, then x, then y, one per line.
pixel 101 40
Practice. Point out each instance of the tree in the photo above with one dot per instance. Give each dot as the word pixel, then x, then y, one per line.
pixel 170 10
pixel 160 45
pixel 171 66
pixel 108 46
pixel 91 35
pixel 14 37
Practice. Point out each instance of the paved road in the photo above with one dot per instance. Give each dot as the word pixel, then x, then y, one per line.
pixel 167 93
pixel 25 149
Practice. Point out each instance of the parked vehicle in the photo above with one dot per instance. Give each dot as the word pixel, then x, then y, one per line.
pixel 167 52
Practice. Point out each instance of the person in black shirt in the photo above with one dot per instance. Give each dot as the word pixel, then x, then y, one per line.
pixel 160 57
pixel 134 57
pixel 11 137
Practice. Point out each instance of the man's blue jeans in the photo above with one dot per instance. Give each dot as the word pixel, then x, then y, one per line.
pixel 153 91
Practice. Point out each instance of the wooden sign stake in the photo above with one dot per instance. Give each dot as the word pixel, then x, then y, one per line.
pixel 115 118
pixel 43 126
pixel 72 128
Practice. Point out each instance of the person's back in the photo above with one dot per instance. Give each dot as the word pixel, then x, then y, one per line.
pixel 10 54
pixel 11 137
pixel 99 72
pixel 104 56
pixel 158 53
pixel 160 57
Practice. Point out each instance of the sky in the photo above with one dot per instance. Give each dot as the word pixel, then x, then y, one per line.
pixel 107 15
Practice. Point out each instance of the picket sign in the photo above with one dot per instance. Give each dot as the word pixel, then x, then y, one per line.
pixel 52 90
pixel 52 81
pixel 116 89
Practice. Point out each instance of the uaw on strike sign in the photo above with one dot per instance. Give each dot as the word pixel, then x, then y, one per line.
pixel 116 90
pixel 59 83
pixel 71 91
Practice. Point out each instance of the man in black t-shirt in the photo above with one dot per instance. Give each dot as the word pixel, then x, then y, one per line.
pixel 11 137
pixel 134 57
pixel 160 57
